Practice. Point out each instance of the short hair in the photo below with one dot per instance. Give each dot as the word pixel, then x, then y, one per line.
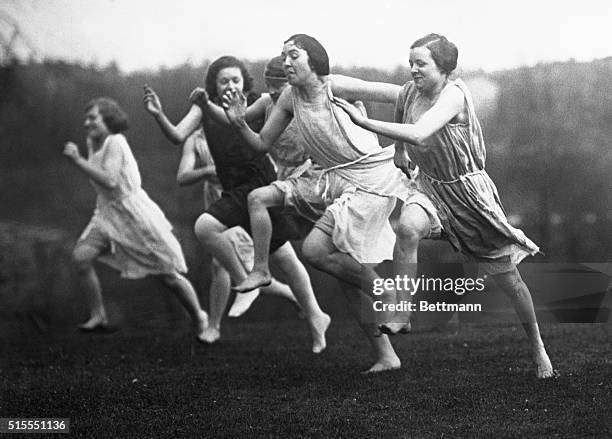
pixel 275 69
pixel 223 63
pixel 115 119
pixel 443 52
pixel 317 55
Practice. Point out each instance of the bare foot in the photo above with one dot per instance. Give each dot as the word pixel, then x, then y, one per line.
pixel 544 367
pixel 242 303
pixel 383 365
pixel 210 335
pixel 254 280
pixel 393 328
pixel 95 322
pixel 317 330
pixel 202 323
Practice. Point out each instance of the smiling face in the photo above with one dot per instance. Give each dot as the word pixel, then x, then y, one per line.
pixel 229 78
pixel 425 72
pixel 94 124
pixel 296 64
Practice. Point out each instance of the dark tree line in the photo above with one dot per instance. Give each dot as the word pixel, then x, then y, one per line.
pixel 548 144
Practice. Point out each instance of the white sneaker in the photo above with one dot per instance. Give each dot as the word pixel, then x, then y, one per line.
pixel 242 303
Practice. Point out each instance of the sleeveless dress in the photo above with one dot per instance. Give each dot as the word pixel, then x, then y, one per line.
pixel 358 185
pixel 287 152
pixel 452 173
pixel 139 235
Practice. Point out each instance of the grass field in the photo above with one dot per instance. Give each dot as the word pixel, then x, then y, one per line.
pixel 262 381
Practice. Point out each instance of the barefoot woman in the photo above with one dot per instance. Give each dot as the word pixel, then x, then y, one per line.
pixel 437 127
pixel 128 231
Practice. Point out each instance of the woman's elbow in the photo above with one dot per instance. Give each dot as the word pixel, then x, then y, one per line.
pixel 417 137
pixel 112 183
pixel 177 139
pixel 182 180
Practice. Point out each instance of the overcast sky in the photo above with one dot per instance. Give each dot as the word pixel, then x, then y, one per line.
pixel 140 34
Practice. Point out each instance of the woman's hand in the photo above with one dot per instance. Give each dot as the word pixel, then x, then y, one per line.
pixel 199 97
pixel 356 115
pixel 234 104
pixel 71 150
pixel 151 101
pixel 402 161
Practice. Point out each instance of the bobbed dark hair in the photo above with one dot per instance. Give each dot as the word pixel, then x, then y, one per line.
pixel 220 64
pixel 317 55
pixel 443 52
pixel 115 119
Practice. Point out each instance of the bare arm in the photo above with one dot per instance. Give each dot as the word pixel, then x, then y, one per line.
pixel 108 174
pixel 282 113
pixel 187 172
pixel 449 105
pixel 353 89
pixel 177 134
pixel 255 111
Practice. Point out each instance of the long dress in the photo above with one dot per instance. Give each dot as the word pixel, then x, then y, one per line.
pixel 139 237
pixel 452 173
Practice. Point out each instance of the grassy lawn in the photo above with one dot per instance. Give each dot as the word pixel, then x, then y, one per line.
pixel 262 381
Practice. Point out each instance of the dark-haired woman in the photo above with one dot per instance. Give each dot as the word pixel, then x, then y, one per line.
pixel 436 126
pixel 357 190
pixel 239 169
pixel 128 231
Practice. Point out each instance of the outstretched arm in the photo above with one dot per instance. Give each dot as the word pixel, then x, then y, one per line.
pixel 282 113
pixel 108 174
pixel 175 133
pixel 187 172
pixel 353 89
pixel 449 105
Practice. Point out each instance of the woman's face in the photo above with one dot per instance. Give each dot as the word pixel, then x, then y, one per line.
pixel 295 62
pixel 229 78
pixel 94 124
pixel 425 72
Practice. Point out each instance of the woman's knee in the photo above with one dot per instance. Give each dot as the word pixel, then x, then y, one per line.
pixel 206 228
pixel 171 280
pixel 257 198
pixel 409 233
pixel 314 253
pixel 82 260
pixel 413 225
pixel 511 283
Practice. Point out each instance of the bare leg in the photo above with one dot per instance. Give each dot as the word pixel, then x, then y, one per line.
pixel 413 226
pixel 184 292
pixel 259 201
pixel 209 232
pixel 279 289
pixel 82 258
pixel 299 281
pixel 321 252
pixel 219 295
pixel 513 286
pixel 386 358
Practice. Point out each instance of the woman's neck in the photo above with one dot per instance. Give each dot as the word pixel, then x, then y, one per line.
pixel 433 94
pixel 98 142
pixel 310 90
